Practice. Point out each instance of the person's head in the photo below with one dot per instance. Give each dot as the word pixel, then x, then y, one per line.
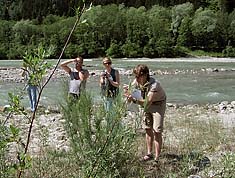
pixel 107 62
pixel 78 62
pixel 141 73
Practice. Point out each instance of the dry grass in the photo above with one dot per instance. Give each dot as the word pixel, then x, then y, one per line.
pixel 196 142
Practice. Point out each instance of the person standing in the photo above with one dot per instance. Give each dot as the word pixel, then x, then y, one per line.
pixel 109 82
pixel 153 100
pixel 78 76
pixel 31 88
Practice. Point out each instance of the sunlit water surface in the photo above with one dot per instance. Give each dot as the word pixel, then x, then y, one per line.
pixel 188 88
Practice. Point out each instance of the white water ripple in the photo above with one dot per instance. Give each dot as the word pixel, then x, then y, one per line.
pixel 214 94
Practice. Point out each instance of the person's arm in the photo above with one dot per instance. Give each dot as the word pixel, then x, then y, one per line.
pixel 102 78
pixel 83 74
pixel 117 83
pixel 147 102
pixel 64 65
pixel 23 74
pixel 142 102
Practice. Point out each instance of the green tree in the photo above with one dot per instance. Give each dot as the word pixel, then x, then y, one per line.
pixel 26 37
pixel 159 33
pixel 5 38
pixel 203 28
pixel 88 37
pixel 136 23
pixel 231 30
pixel 222 29
pixel 179 12
pixel 185 37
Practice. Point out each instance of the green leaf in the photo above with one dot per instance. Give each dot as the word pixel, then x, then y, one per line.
pixel 14 130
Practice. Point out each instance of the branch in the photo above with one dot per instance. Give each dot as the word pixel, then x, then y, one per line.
pixel 46 82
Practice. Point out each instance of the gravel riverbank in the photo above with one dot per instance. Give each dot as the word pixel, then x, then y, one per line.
pixel 50 121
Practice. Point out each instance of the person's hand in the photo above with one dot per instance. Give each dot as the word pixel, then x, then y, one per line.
pixel 126 88
pixel 103 74
pixel 75 60
pixel 126 93
pixel 109 77
pixel 129 97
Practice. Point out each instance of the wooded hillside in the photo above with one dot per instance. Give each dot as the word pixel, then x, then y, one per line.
pixel 123 29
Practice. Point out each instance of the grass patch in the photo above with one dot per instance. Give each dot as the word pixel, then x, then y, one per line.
pixel 193 139
pixel 201 53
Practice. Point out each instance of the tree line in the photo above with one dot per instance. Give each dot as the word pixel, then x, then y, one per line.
pixel 39 9
pixel 120 31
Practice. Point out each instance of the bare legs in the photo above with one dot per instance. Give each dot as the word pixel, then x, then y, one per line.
pixel 149 140
pixel 156 138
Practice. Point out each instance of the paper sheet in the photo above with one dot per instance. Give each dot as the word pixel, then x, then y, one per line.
pixel 136 94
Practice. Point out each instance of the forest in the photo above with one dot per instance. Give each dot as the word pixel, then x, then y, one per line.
pixel 118 28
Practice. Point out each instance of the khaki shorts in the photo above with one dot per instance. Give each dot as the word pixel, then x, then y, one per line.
pixel 154 120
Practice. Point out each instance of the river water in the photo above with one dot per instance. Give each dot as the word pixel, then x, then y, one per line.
pixel 185 80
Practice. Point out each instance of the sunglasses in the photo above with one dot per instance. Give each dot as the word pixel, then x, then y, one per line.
pixel 107 63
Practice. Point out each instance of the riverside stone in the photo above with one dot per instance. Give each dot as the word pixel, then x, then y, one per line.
pixel 13 74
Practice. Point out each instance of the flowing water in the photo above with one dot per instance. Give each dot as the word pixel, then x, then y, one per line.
pixel 185 80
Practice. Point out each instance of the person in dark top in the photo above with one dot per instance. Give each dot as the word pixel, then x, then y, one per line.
pixel 109 83
pixel 78 76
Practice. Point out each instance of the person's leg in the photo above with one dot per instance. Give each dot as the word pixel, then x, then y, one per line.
pixel 34 97
pixel 32 93
pixel 108 104
pixel 158 118
pixel 149 140
pixel 29 89
pixel 147 124
pixel 157 144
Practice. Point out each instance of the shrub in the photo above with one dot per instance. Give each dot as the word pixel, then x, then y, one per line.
pixel 102 144
pixel 114 50
pixel 229 51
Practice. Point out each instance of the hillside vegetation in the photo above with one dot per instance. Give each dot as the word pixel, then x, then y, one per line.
pixel 117 30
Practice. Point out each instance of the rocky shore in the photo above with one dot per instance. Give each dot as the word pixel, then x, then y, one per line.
pixel 49 121
pixel 13 74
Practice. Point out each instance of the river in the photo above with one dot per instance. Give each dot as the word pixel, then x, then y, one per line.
pixel 185 80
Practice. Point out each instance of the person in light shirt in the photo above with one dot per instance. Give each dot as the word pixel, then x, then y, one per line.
pixel 78 76
pixel 153 101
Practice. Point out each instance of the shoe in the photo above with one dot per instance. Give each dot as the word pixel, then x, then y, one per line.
pixel 147 157
pixel 156 160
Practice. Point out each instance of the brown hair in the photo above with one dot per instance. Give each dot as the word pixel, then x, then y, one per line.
pixel 141 70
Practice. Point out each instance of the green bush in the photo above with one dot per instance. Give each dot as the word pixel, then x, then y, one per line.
pixel 3 147
pixel 130 49
pixel 102 144
pixel 50 19
pixel 114 50
pixel 229 51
